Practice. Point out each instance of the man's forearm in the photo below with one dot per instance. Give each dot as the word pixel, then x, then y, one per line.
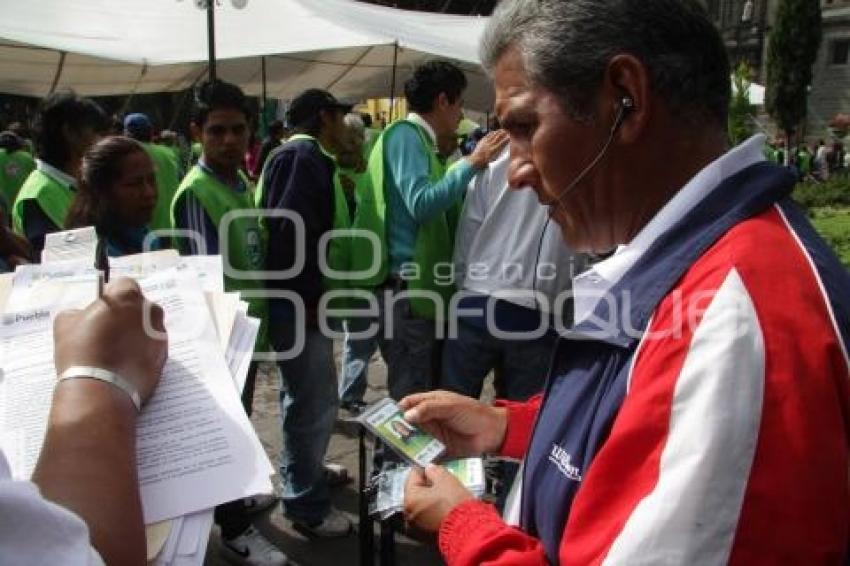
pixel 88 465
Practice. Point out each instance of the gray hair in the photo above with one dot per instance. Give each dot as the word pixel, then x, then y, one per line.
pixel 566 46
pixel 354 121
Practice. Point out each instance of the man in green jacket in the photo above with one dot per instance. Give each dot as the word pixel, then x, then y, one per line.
pixel 211 189
pixel 66 126
pixel 405 203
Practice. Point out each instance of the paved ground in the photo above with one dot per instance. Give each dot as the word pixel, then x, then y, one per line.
pixel 343 449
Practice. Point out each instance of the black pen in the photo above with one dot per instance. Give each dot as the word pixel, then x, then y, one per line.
pixel 101 263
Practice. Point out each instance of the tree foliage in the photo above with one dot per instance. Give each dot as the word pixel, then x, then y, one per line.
pixel 741 112
pixel 791 52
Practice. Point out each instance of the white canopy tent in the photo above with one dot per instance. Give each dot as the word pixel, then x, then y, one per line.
pixel 101 47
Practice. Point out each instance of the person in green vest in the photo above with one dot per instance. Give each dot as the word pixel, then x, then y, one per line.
pixel 356 352
pixel 404 203
pixel 20 130
pixel 301 179
pixel 804 161
pixel 139 127
pixel 117 195
pixel 66 126
pixel 212 188
pixel 16 163
pixel 168 140
pixel 350 159
pixel 195 151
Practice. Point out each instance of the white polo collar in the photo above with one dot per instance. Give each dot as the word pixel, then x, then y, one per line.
pixel 56 174
pixel 420 121
pixel 590 286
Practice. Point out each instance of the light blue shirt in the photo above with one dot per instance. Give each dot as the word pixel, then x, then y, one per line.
pixel 412 199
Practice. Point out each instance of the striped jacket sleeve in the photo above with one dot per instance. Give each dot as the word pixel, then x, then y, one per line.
pixel 732 444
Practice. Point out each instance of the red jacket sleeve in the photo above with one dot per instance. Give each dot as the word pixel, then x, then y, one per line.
pixel 473 534
pixel 521 418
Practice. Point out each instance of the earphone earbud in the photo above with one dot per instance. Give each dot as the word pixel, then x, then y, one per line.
pixel 626 106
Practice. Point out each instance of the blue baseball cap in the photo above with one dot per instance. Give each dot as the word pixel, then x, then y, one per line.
pixel 138 126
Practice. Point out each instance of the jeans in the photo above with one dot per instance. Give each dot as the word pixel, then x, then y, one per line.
pixel 356 353
pixel 407 346
pixel 308 407
pixel 520 366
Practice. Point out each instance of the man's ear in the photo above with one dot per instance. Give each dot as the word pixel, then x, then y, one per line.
pixel 442 101
pixel 195 130
pixel 627 78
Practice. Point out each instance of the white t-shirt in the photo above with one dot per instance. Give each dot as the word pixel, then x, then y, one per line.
pixel 34 531
pixel 497 241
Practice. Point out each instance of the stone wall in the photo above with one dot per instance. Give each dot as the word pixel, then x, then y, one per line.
pixel 830 92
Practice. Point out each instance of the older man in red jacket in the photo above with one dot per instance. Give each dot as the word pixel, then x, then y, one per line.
pixel 697 411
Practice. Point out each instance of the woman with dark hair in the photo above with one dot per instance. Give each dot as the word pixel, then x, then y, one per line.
pixel 117 195
pixel 16 164
pixel 66 126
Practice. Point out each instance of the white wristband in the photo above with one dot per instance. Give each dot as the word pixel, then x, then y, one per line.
pixel 104 375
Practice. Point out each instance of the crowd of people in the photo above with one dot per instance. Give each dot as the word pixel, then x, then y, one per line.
pixel 666 400
pixel 818 163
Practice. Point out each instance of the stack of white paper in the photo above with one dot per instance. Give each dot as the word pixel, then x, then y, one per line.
pixel 196 447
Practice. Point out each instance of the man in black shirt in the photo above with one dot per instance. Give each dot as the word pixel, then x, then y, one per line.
pixel 299 180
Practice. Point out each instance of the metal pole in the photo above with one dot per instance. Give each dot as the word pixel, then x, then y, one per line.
pixel 366 531
pixel 392 83
pixel 263 74
pixel 59 67
pixel 211 37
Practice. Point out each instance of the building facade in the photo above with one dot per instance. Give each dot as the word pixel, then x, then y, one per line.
pixel 745 26
pixel 830 94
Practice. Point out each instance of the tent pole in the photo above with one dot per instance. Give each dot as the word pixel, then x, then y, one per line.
pixel 348 68
pixel 186 93
pixel 211 37
pixel 265 92
pixel 59 68
pixel 392 84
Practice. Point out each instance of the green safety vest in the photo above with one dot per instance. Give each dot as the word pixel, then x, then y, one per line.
pixel 433 239
pixel 355 178
pixel 52 197
pixel 244 246
pixel 372 135
pixel 197 149
pixel 15 167
pixel 167 181
pixel 454 213
pixel 804 162
pixel 338 252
